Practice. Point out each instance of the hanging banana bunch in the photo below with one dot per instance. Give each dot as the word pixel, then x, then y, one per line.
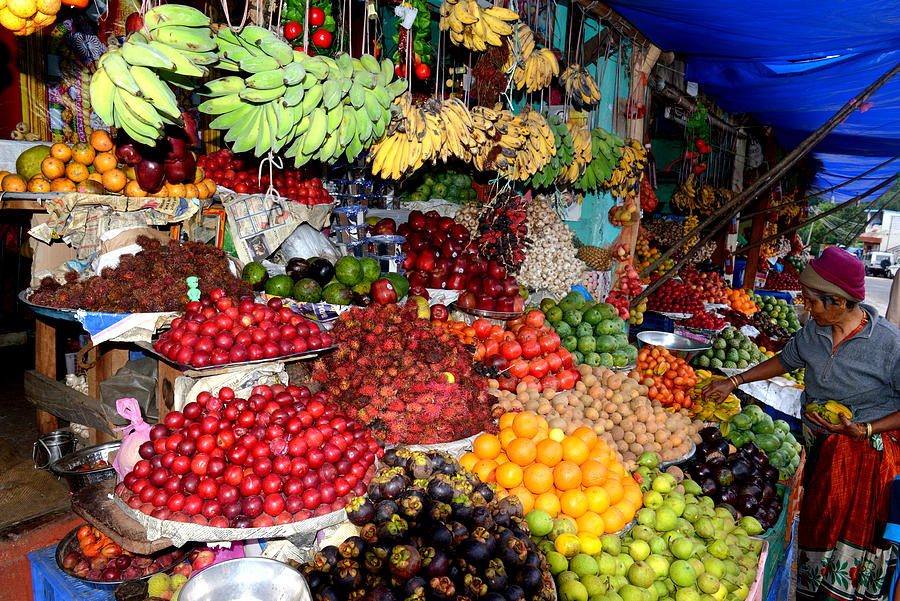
pixel 533 68
pixel 476 28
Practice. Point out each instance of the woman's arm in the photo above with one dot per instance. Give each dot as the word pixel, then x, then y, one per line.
pixel 857 429
pixel 886 423
pixel 767 369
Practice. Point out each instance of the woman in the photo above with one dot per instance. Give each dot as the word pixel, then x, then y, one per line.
pixel 851 355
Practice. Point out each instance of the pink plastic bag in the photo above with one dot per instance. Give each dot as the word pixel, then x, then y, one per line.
pixel 136 434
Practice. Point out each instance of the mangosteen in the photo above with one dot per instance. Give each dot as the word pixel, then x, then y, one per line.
pixel 385 510
pixel 475 586
pixel 495 575
pixel 382 549
pixel 513 552
pixel 493 596
pixel 481 516
pixel 462 509
pixel 710 434
pixel 357 595
pixel 439 511
pixel 459 533
pixel 533 559
pixel 360 511
pixel 454 573
pixel 347 574
pixel 747 504
pixel 373 490
pixel 708 487
pixel 394 529
pixel 316 580
pixel 404 562
pixel 297 268
pixel 328 593
pixel 442 589
pixel 449 466
pixel 394 486
pixel 530 578
pixel 352 548
pixel 439 565
pixel 501 519
pixel 484 536
pixel 390 458
pixel 473 551
pixel 419 466
pixel 440 489
pixel 486 492
pixel 380 592
pixel 371 562
pixel 440 536
pixel 326 558
pixel 514 592
pixel 740 468
pixel 728 495
pixel 414 586
pixel 752 490
pixel 768 491
pixel 369 532
pixel 412 504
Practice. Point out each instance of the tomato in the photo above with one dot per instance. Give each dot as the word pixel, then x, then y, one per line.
pixel 292 29
pixel 539 368
pixel 482 328
pixel 518 368
pixel 322 38
pixel 242 188
pixel 316 17
pixel 511 350
pixel 423 71
pixel 535 318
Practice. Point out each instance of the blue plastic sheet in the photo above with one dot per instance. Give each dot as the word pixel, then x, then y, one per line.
pixel 793 65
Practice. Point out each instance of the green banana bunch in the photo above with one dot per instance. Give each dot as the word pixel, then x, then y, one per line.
pixel 605 152
pixel 130 88
pixel 309 107
pixel 565 152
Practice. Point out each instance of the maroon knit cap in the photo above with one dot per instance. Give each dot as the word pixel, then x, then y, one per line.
pixel 843 270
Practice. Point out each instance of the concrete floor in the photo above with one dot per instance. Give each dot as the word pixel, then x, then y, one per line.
pixel 18 424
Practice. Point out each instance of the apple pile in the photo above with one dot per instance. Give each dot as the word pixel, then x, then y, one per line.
pixel 98 558
pixel 532 355
pixel 171 160
pixel 439 255
pixel 280 456
pixel 627 285
pixel 165 586
pixel 709 286
pixel 234 172
pixel 675 297
pixel 706 321
pixel 782 280
pixel 216 331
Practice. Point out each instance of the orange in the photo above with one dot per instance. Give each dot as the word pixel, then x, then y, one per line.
pixel 192 191
pixel 501 459
pixel 566 475
pixel 210 185
pixel 598 499
pixel 613 520
pixel 61 151
pixel 509 475
pixel 468 461
pixel 202 191
pixel 62 184
pixel 133 189
pixel 614 489
pixel 573 503
pixel 593 473
pixel 525 424
pixel 114 180
pixel 175 190
pixel 83 153
pixel 77 172
pixel 525 498
pixel 538 478
pixel 52 167
pixel 13 183
pixel 199 175
pixel 575 450
pixel 506 436
pixel 548 502
pixel 163 192
pixel 633 495
pixel 105 161
pixel 591 522
pixel 549 452
pixel 521 451
pixel 506 420
pixel 586 434
pixel 95 177
pixel 484 469
pixel 38 184
pixel 486 446
pixel 101 141
pixel 626 508
pixel 618 469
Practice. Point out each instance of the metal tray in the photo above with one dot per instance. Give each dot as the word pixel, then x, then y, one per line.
pixel 45 311
pixel 148 347
pixel 70 543
pixel 502 315
pixel 77 480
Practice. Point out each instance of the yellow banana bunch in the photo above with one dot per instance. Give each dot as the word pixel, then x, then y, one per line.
pixel 473 27
pixel 532 68
pixel 690 223
pixel 582 142
pixel 516 146
pixel 626 177
pixel 580 86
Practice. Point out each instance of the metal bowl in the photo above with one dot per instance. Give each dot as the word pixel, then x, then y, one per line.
pixel 66 467
pixel 69 543
pixel 680 346
pixel 246 579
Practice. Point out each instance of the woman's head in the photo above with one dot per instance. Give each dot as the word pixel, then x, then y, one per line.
pixel 826 309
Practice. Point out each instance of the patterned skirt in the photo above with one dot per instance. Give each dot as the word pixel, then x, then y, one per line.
pixel 842 554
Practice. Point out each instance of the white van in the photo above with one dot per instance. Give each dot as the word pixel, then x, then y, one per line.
pixel 880 264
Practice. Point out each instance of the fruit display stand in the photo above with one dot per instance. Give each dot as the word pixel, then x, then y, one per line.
pixel 51 583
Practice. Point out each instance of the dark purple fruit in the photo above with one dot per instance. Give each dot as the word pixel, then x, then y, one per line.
pixel 372 563
pixel 530 578
pixel 481 516
pixel 391 458
pixel 495 575
pixel 360 511
pixel 513 552
pixel 328 593
pixel 419 466
pixel 440 490
pixel 404 562
pixel 439 565
pixel 533 559
pixel 514 593
pixel 412 504
pixel 440 536
pixel 347 574
pixel 394 486
pixel 459 533
pixel 352 548
pixel 475 586
pixel 326 558
pixel 385 510
pixel 474 551
pixel 316 580
pixel 493 596
pixel 369 533
pixel 414 587
pixel 486 492
pixel 439 512
pixel 380 593
pixel 442 589
pixel 394 529
pixel 462 509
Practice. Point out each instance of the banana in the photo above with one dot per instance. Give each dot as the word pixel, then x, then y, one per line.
pixel 331 94
pixel 250 35
pixel 262 96
pixel 267 128
pixel 165 15
pixel 195 39
pixel 230 119
pixel 141 109
pixel 278 50
pixel 311 99
pixel 248 139
pixel 259 64
pixel 132 124
pixel 221 105
pixel 313 139
pixel 102 90
pixel 143 55
pixel 183 65
pixel 119 72
pixel 293 73
pixel 223 86
pixel 266 80
pixel 580 86
pixel 293 95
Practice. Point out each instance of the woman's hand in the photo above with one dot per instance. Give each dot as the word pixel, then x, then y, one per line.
pixel 846 427
pixel 718 389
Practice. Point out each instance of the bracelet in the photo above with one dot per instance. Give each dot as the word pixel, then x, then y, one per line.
pixel 733 381
pixel 868 429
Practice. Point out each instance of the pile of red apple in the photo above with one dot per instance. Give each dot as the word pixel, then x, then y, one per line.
pixel 782 280
pixel 439 255
pixel 627 285
pixel 281 456
pixel 100 559
pixel 706 321
pixel 533 356
pixel 171 160
pixel 709 286
pixel 235 173
pixel 216 331
pixel 675 297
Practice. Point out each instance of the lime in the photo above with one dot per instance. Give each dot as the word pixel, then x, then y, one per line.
pixel 539 522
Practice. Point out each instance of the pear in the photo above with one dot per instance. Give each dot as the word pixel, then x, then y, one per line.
pixel 606 564
pixel 682 548
pixel 653 499
pixel 611 543
pixel 666 519
pixel 659 564
pixel 646 516
pixel 719 549
pixel 676 503
pixel 708 583
pixel 682 573
pixel 658 545
pixel 641 575
pixel 639 550
pixel 642 532
pixel 687 594
pixel 714 566
pixel 751 525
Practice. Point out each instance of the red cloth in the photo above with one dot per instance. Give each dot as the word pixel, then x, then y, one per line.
pixel 843 270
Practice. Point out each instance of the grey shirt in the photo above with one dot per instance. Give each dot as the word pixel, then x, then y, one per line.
pixel 863 373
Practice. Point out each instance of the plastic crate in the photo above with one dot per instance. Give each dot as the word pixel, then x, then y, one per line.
pixel 779 538
pixel 49 583
pixel 779 587
pixel 795 485
pixel 795 424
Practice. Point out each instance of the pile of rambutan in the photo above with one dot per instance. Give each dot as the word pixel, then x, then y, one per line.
pixel 149 281
pixel 407 380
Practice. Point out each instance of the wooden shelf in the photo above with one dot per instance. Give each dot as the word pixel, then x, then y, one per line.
pixel 94 505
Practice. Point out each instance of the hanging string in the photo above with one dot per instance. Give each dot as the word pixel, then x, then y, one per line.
pixel 228 16
pixel 273 162
pixel 305 28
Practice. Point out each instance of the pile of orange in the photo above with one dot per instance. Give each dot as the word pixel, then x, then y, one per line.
pixel 460 329
pixel 739 300
pixel 669 379
pixel 92 168
pixel 576 476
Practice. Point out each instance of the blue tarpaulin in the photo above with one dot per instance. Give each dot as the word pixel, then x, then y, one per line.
pixel 793 65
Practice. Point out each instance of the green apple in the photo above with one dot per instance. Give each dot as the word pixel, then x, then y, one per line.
pixel 539 522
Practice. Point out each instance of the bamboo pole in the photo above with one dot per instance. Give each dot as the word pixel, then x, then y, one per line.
pixel 725 213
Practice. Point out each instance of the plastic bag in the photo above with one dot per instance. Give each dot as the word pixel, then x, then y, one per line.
pixel 136 433
pixel 136 379
pixel 306 242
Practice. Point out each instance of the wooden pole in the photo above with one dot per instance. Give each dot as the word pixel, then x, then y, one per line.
pixel 45 363
pixel 757 231
pixel 725 213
